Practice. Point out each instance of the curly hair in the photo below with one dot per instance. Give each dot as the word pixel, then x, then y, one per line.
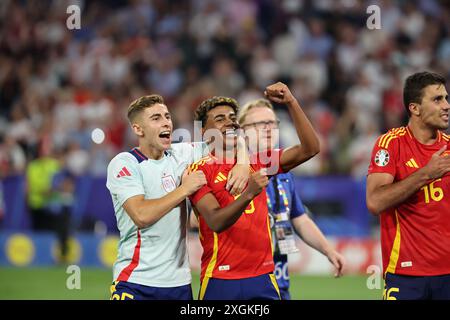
pixel 201 113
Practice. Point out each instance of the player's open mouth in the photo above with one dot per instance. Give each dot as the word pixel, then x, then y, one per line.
pixel 165 135
pixel 445 117
pixel 230 133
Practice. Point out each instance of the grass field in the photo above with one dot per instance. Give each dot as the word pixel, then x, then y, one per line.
pixel 50 283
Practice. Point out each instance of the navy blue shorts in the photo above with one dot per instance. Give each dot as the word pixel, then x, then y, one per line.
pixel 263 287
pixel 284 294
pixel 121 290
pixel 400 287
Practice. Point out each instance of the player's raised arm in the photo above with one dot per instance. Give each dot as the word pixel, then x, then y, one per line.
pixel 219 219
pixel 145 212
pixel 382 193
pixel 310 146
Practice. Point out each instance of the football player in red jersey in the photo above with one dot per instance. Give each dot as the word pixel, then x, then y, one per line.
pixel 409 188
pixel 237 261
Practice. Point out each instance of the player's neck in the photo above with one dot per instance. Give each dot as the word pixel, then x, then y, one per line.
pixel 151 152
pixel 422 133
pixel 225 156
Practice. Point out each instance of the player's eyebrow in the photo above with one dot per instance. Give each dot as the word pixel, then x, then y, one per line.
pixel 440 97
pixel 159 115
pixel 223 115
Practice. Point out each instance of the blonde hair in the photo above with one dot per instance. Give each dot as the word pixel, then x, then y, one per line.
pixel 259 103
pixel 143 103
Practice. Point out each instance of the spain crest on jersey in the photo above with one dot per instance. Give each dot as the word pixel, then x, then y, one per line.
pixel 168 183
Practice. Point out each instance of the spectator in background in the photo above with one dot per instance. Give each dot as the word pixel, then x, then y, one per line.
pixel 12 157
pixel 77 160
pixel 39 176
pixel 50 196
pixel 318 42
pixel 20 130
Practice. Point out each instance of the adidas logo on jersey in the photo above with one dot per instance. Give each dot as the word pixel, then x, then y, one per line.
pixel 220 178
pixel 124 173
pixel 412 163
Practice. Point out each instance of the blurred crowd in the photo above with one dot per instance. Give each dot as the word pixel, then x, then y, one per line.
pixel 57 85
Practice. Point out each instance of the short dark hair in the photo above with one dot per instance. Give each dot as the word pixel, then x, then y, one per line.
pixel 414 85
pixel 201 113
pixel 143 103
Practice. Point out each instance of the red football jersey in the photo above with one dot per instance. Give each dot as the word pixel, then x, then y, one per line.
pixel 415 236
pixel 244 250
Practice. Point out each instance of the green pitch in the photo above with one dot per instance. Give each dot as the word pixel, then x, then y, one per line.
pixel 50 283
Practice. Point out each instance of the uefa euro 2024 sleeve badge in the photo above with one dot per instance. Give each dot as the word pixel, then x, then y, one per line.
pixel 382 158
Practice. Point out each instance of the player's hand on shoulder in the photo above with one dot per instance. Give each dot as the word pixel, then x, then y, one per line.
pixel 237 179
pixel 279 93
pixel 257 182
pixel 438 165
pixel 192 181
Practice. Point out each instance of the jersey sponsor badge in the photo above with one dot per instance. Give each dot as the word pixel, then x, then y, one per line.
pixel 168 183
pixel 382 158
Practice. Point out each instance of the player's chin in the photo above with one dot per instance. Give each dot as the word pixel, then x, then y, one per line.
pixel 265 144
pixel 443 125
pixel 164 143
pixel 230 142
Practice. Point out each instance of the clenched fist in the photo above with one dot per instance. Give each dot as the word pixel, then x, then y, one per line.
pixel 257 182
pixel 193 181
pixel 279 93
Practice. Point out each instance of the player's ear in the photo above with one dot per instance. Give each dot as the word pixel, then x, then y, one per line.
pixel 414 108
pixel 137 129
